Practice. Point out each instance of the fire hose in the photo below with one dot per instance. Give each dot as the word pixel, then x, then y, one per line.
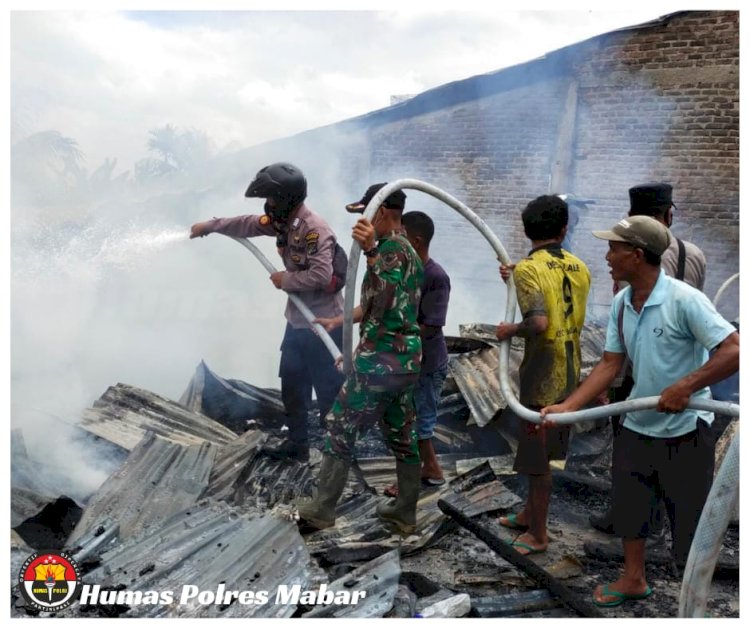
pixel 723 287
pixel 714 518
pixel 304 310
pixel 589 414
pixel 712 525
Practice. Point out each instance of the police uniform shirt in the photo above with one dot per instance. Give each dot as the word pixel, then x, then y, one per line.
pixel 307 257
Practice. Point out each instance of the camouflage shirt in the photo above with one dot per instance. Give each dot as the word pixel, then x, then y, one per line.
pixel 389 332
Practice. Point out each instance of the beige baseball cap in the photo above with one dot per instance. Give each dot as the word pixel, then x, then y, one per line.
pixel 641 231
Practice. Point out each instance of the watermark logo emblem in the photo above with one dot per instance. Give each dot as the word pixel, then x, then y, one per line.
pixel 49 581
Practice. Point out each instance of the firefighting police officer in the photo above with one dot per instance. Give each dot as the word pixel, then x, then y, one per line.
pixel 306 244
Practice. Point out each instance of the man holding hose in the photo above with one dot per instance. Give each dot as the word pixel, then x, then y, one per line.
pixel 385 368
pixel 666 328
pixel 307 246
pixel 552 287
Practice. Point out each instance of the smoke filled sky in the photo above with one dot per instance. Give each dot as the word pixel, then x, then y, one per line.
pixel 111 290
pixel 105 78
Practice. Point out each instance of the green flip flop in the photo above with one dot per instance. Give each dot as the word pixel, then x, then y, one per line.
pixel 620 597
pixel 529 549
pixel 512 523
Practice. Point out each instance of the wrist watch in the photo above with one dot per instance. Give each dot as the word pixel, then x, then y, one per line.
pixel 371 252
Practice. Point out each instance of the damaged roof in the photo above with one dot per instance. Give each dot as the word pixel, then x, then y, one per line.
pixel 205 545
pixel 476 372
pixel 158 478
pixel 196 503
pixel 123 414
pixel 232 402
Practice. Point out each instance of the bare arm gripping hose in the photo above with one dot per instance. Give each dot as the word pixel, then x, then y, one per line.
pixel 510 311
pixel 304 310
pixel 712 526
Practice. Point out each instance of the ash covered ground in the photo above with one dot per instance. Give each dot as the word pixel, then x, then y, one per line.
pixel 445 561
pixel 463 563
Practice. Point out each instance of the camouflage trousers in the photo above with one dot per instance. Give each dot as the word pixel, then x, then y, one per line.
pixel 366 399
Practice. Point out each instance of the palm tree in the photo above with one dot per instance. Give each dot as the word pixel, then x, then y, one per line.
pixel 46 167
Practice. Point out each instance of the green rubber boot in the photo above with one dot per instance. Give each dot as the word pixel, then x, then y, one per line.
pixel 320 511
pixel 401 512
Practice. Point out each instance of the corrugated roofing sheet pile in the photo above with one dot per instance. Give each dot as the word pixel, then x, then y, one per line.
pixel 196 502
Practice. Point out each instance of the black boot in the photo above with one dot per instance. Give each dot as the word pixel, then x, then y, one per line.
pixel 289 450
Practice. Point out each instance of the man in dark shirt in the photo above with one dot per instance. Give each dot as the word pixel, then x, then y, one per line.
pixel 433 309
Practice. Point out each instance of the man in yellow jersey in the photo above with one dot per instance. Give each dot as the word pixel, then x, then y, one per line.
pixel 553 287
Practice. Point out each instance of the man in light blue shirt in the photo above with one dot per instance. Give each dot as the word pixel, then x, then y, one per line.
pixel 654 339
pixel 666 328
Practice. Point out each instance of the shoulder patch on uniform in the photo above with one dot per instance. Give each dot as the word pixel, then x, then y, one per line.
pixel 265 219
pixel 312 242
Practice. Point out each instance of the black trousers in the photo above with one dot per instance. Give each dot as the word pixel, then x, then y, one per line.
pixel 678 470
pixel 306 364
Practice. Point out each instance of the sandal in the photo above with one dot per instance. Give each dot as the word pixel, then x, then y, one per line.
pixel 620 597
pixel 511 521
pixel 530 549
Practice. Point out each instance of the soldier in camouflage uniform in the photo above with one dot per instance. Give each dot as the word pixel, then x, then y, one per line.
pixel 385 368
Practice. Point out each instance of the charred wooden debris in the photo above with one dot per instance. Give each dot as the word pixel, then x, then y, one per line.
pixel 194 502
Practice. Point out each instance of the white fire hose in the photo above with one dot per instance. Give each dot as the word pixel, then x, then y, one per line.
pixel 718 508
pixel 589 414
pixel 723 287
pixel 712 526
pixel 304 310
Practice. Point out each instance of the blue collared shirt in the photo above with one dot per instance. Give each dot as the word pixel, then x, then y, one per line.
pixel 669 338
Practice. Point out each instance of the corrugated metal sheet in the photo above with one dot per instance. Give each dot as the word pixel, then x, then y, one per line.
pixel 360 535
pixel 476 372
pixel 380 472
pixel 185 506
pixel 233 403
pixel 476 376
pixel 478 491
pixel 378 577
pixel 262 482
pixel 205 545
pixel 158 479
pixel 500 465
pixel 123 414
pixel 231 460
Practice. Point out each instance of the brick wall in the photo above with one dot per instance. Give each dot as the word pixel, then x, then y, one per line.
pixel 659 102
pixel 662 103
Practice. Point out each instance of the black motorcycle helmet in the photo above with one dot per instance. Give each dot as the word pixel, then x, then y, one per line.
pixel 282 182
